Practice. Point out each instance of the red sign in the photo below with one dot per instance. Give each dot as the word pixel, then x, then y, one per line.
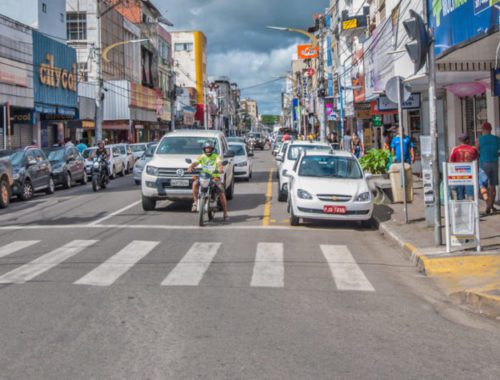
pixel 307 52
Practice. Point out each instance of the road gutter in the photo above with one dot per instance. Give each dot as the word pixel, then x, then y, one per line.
pixel 269 195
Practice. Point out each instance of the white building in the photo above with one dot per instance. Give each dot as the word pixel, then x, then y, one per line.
pixel 48 16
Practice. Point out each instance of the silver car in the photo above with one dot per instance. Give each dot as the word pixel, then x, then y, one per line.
pixel 142 161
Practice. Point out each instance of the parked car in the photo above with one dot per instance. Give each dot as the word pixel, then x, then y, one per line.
pixel 141 162
pixel 125 153
pixel 165 176
pixel 328 186
pixel 31 171
pixel 138 149
pixel 115 163
pixel 242 161
pixel 6 182
pixel 288 161
pixel 68 166
pixel 280 157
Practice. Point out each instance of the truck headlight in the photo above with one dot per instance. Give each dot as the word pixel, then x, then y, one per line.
pixel 363 197
pixel 151 170
pixel 242 164
pixel 302 194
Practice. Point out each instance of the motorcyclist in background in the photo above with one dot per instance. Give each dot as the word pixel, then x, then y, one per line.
pixel 210 163
pixel 103 153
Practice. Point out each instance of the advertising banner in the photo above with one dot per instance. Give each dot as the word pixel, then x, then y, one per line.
pixel 457 22
pixel 146 98
pixel 460 174
pixel 307 52
pixel 358 75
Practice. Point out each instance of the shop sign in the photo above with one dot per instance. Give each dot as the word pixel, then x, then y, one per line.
pixel 356 22
pixel 22 117
pixel 44 108
pixel 457 22
pixel 377 120
pixel 495 82
pixel 14 73
pixel 307 52
pixel 188 118
pixel 364 114
pixel 53 76
pixel 460 174
pixel 384 104
pixel 146 98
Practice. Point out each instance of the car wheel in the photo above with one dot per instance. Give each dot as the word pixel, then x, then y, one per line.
pixel 113 173
pixel 230 191
pixel 123 172
pixel 137 182
pixel 148 204
pixel 282 196
pixel 4 193
pixel 51 187
pixel 67 180
pixel 26 191
pixel 84 179
pixel 294 220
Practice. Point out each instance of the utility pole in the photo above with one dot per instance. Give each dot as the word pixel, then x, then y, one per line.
pixel 205 106
pixel 99 107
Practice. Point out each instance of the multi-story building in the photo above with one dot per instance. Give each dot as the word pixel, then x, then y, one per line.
pixel 46 16
pixel 190 65
pixel 250 108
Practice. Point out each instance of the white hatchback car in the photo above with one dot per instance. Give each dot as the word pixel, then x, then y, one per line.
pixel 242 161
pixel 289 158
pixel 126 156
pixel 328 186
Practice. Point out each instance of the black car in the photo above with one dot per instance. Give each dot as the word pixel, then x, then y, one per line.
pixel 32 172
pixel 68 166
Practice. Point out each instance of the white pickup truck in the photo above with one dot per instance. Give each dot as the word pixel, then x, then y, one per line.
pixel 165 177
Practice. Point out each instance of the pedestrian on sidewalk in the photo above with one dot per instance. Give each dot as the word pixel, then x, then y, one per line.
pixel 488 146
pixel 357 147
pixel 464 153
pixel 81 146
pixel 408 149
pixel 346 142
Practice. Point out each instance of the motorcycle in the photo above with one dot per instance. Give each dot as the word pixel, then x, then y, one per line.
pixel 99 173
pixel 208 195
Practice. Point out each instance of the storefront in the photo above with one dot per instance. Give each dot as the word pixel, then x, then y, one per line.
pixel 55 89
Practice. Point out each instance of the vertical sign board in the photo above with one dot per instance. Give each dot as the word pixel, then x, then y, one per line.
pixel 461 217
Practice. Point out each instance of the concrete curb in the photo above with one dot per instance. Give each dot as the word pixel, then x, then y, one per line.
pixel 481 301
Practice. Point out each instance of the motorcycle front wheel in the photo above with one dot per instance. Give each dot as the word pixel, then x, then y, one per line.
pixel 94 182
pixel 201 211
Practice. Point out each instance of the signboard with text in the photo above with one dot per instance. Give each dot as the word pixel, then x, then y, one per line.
pixel 307 52
pixel 384 104
pixel 460 174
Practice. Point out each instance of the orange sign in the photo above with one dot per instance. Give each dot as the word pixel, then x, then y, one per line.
pixel 307 52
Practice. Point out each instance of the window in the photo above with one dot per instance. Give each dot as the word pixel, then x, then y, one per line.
pixel 61 16
pixel 184 47
pixel 44 8
pixel 76 26
pixel 83 72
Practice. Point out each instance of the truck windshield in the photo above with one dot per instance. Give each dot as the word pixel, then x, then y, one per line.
pixel 187 145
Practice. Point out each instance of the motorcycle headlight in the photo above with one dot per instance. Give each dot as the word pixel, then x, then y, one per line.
pixel 204 182
pixel 363 197
pixel 151 170
pixel 302 194
pixel 96 165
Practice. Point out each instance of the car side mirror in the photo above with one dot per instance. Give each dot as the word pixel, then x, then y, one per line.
pixel 225 162
pixel 230 154
pixel 368 176
pixel 279 158
pixel 189 161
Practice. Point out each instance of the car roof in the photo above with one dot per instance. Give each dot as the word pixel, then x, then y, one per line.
pixel 336 153
pixel 194 132
pixel 315 143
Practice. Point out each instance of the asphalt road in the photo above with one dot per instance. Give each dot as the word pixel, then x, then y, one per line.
pixel 92 287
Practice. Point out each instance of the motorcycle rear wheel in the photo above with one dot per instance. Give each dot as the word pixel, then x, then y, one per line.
pixel 201 211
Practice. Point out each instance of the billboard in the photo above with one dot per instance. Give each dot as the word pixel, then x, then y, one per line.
pixel 358 75
pixel 456 23
pixel 307 52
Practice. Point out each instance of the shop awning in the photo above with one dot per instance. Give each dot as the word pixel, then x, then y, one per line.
pixel 115 126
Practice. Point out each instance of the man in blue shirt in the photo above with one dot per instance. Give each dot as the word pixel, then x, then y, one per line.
pixel 489 145
pixel 81 146
pixel 408 150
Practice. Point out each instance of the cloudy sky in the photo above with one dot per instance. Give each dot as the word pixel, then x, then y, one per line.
pixel 239 45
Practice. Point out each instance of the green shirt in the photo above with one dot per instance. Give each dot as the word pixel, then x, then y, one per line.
pixel 488 148
pixel 209 164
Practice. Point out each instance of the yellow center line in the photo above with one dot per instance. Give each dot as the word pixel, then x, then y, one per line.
pixel 269 196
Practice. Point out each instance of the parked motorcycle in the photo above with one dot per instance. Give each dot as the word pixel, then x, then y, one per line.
pixel 208 196
pixel 99 173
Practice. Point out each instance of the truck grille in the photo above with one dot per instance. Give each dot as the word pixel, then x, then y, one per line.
pixel 172 173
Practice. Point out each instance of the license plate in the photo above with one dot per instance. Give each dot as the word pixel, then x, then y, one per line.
pixel 179 183
pixel 334 210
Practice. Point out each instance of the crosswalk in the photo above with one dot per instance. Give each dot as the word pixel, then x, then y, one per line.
pixel 269 264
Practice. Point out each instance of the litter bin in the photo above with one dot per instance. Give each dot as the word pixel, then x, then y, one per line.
pixel 397 183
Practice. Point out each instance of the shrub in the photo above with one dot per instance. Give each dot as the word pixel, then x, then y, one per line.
pixel 375 161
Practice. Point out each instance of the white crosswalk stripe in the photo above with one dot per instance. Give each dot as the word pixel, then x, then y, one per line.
pixel 113 268
pixel 16 246
pixel 269 270
pixel 44 263
pixel 193 265
pixel 346 272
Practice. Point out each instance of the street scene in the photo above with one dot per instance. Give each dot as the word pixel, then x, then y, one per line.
pixel 260 190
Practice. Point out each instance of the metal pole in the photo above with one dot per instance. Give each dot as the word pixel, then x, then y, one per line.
pixel 446 207
pixel 205 108
pixel 435 148
pixel 341 91
pixel 9 131
pixel 5 126
pixel 99 114
pixel 475 171
pixel 401 149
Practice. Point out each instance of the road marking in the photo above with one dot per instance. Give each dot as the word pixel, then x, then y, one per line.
pixel 113 268
pixel 345 271
pixel 269 270
pixel 16 246
pixel 190 270
pixel 99 221
pixel 44 263
pixel 269 196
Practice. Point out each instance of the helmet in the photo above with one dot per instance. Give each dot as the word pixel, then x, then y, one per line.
pixel 100 142
pixel 208 145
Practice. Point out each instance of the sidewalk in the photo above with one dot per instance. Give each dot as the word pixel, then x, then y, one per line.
pixel 467 276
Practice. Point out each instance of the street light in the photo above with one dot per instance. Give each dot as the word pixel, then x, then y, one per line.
pixel 312 37
pixel 108 48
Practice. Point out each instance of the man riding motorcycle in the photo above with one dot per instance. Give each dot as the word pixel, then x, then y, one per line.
pixel 210 162
pixel 102 152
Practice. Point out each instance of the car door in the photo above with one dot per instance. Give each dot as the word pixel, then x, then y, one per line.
pixel 32 167
pixel 43 168
pixel 79 164
pixel 117 159
pixel 230 166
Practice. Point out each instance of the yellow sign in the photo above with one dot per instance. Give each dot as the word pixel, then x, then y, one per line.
pixel 350 24
pixel 56 76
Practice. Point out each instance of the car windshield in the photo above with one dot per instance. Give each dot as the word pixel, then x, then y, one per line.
pixel 187 145
pixel 330 167
pixel 56 155
pixel 138 148
pixel 294 151
pixel 150 151
pixel 238 150
pixel 16 158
